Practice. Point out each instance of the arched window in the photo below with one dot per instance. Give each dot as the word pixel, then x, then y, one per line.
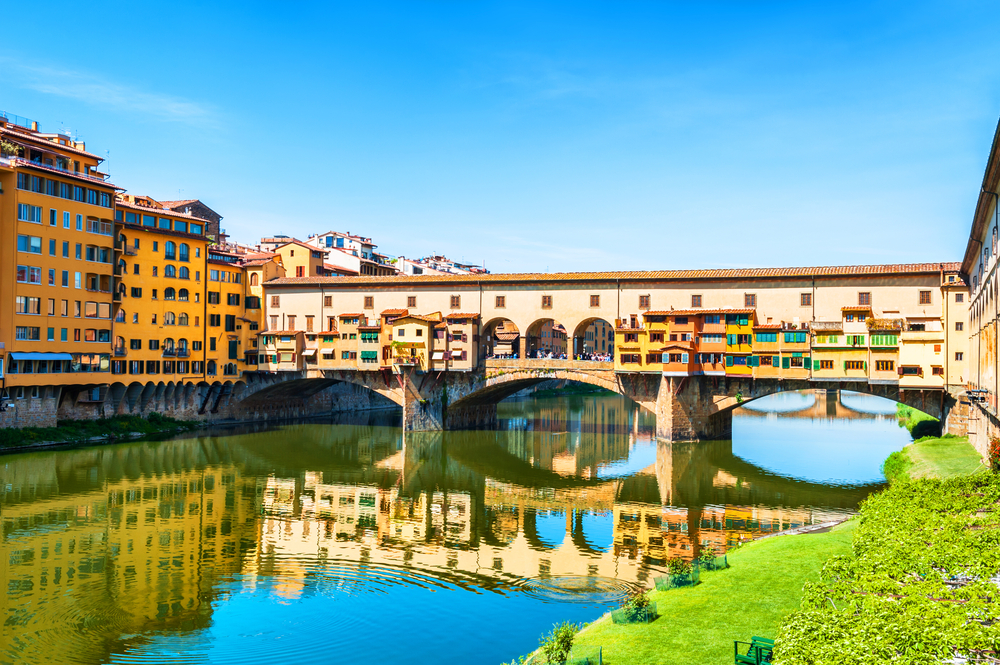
pixel 169 319
pixel 211 368
pixel 121 266
pixel 168 344
pixel 183 253
pixel 170 250
pixel 229 369
pixel 120 316
pixel 184 273
pixel 170 271
pixel 182 295
pixel 253 279
pixel 182 320
pixel 182 344
pixel 119 344
pixel 169 293
pixel 122 241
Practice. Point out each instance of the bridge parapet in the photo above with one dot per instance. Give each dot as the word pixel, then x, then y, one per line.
pixel 547 363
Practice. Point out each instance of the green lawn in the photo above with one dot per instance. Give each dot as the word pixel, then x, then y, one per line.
pixel 935 458
pixel 698 625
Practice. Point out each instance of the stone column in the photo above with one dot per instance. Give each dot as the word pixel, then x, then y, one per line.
pixel 684 411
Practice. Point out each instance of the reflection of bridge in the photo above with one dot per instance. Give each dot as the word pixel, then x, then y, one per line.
pixel 822 404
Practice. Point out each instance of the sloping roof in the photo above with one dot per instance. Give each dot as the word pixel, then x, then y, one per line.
pixel 395 312
pixel 293 241
pixel 767 326
pixel 462 315
pixel 157 211
pixel 29 135
pixel 649 275
pixel 856 308
pixel 506 336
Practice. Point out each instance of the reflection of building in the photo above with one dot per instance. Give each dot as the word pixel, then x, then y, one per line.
pixel 132 556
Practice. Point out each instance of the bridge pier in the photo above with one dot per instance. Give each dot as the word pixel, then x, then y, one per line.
pixel 687 409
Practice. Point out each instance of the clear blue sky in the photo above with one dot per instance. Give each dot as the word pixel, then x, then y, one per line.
pixel 535 136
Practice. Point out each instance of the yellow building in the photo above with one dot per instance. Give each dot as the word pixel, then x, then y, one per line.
pixel 300 259
pixel 233 324
pixel 56 216
pixel 739 341
pixel 160 274
pixel 411 339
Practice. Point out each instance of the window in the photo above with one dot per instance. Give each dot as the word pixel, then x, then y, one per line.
pixel 136 291
pixel 643 302
pixel 169 271
pixel 456 302
pixel 806 299
pixel 959 355
pixel 629 359
pixel 31 333
pixel 547 303
pixel 215 320
pixel 767 337
pixel 864 298
pixel 275 301
pixel 29 213
pixel 184 250
pixel 825 364
pixel 712 318
pixel 28 305
pixel 29 244
pixel 856 340
pixel 854 364
pixel 411 301
pixel 881 365
pixel 369 302
pixel 696 302
pixel 231 322
pixel 300 271
pixel 233 299
pixel 213 298
pixel 169 293
pixel 925 297
pixel 959 325
pixel 959 297
pixel 749 299
pixel 309 323
pixel 29 275
pixel 501 302
pixel 170 250
pixel 79 222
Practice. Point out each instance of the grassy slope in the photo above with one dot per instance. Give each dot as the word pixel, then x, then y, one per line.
pixel 698 625
pixel 939 458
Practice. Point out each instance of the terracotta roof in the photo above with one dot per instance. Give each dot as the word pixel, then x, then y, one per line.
pixel 293 241
pixel 28 135
pixel 856 308
pixel 279 332
pixel 158 211
pixel 696 312
pixel 658 313
pixel 767 326
pixel 421 317
pixel 256 262
pixel 506 336
pixel 329 267
pixel 352 314
pixel 367 327
pixel 395 312
pixel 462 315
pixel 649 275
pixel 177 204
pixel 260 255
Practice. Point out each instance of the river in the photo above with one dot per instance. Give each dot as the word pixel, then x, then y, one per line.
pixel 348 541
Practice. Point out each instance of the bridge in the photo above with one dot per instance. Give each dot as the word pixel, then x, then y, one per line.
pixel 687 346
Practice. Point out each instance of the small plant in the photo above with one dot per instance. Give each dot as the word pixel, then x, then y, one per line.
pixel 636 605
pixel 678 566
pixel 739 396
pixel 8 148
pixel 993 453
pixel 707 555
pixel 556 645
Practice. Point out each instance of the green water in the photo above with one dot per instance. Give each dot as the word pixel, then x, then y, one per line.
pixel 351 542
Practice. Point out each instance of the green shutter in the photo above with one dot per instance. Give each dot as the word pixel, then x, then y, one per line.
pixel 755 361
pixel 729 361
pixel 815 365
pixel 786 362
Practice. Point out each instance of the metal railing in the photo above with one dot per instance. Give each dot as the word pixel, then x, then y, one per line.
pixel 14 161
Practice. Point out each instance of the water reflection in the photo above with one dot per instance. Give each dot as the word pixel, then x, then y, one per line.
pixel 292 543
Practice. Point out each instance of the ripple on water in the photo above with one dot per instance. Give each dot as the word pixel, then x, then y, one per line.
pixel 581 589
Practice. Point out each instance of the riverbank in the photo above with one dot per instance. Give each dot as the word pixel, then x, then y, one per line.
pixel 933 457
pixel 698 624
pixel 70 432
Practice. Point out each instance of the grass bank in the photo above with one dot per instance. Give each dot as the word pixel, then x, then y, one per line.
pixel 78 431
pixel 917 423
pixel 916 586
pixel 933 457
pixel 699 624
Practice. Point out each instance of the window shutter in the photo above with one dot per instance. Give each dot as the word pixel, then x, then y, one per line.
pixel 684 358
pixel 815 364
pixel 786 362
pixel 755 361
pixel 729 361
pixel 845 365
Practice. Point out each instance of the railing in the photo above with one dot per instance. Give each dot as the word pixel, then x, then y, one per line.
pixel 183 353
pixel 58 169
pixel 99 227
pixel 130 251
pixel 827 325
pixel 169 353
pixel 120 352
pixel 116 297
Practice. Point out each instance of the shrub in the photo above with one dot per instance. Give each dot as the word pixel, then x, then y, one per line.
pixel 678 566
pixel 635 606
pixel 896 466
pixel 557 644
pixel 993 452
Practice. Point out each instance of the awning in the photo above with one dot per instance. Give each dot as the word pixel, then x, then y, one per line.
pixel 437 355
pixel 15 355
pixel 456 354
pixel 369 355
pixel 309 352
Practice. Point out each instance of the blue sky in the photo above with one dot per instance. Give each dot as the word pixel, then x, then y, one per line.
pixel 542 136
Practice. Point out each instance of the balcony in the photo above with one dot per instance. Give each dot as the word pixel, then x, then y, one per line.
pixel 99 227
pixel 827 326
pixel 169 353
pixel 120 352
pixel 183 353
pixel 15 161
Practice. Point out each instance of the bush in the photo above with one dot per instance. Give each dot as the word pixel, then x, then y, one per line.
pixel 82 430
pixel 556 645
pixel 993 453
pixel 678 566
pixel 896 467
